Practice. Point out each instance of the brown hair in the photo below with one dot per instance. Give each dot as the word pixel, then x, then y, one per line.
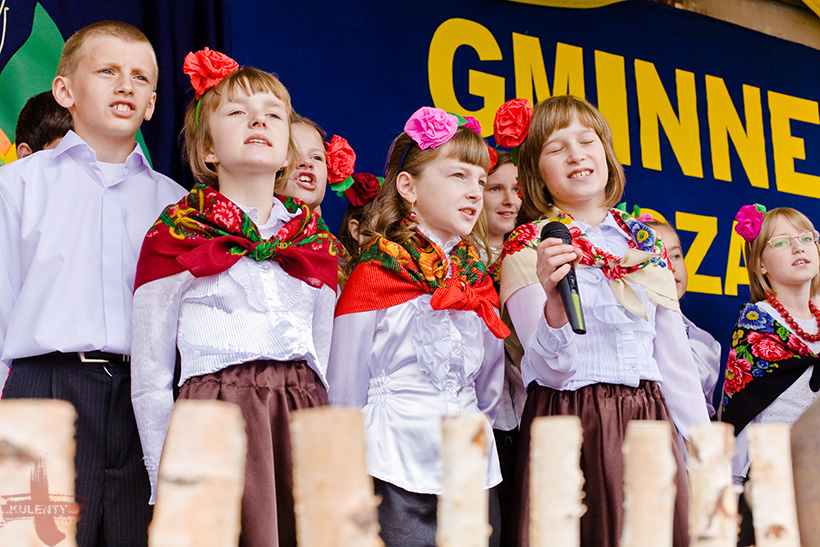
pixel 389 208
pixel 41 121
pixel 557 113
pixel 73 49
pixel 758 283
pixel 197 135
pixel 283 175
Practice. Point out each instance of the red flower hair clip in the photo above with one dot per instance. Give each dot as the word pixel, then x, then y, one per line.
pixel 512 125
pixel 207 68
pixel 341 160
pixel 364 188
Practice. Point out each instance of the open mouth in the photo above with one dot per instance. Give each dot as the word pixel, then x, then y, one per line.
pixel 306 180
pixel 256 139
pixel 580 174
pixel 800 262
pixel 469 212
pixel 122 108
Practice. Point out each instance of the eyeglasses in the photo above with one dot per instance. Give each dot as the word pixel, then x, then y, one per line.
pixel 781 242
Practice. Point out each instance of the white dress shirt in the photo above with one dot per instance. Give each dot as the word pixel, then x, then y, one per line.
pixel 407 366
pixel 788 407
pixel 618 348
pixel 252 311
pixel 706 351
pixel 70 235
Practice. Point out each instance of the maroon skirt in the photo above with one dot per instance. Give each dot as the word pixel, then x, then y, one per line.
pixel 266 392
pixel 604 410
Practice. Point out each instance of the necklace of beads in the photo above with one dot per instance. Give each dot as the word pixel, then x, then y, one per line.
pixel 781 309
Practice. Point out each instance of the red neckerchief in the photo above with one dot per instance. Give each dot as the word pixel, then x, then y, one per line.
pixel 206 233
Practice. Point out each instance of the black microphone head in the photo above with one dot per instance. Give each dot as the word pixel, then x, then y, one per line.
pixel 556 229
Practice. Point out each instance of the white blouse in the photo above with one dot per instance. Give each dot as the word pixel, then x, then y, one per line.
pixel 788 407
pixel 706 351
pixel 618 348
pixel 252 311
pixel 407 366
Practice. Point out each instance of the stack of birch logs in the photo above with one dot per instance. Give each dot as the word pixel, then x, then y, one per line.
pixel 201 477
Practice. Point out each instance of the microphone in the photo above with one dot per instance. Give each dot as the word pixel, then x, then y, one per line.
pixel 568 286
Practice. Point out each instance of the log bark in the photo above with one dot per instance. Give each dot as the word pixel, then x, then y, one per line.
pixel 201 477
pixel 556 482
pixel 649 484
pixel 463 506
pixel 713 519
pixel 37 473
pixel 771 487
pixel 333 494
pixel 806 463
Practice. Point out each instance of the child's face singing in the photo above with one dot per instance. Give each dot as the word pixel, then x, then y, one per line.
pixel 501 201
pixel 250 135
pixel 675 252
pixel 789 266
pixel 111 92
pixel 308 180
pixel 573 166
pixel 447 196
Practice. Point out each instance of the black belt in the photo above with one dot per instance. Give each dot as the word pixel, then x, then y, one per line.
pixel 111 363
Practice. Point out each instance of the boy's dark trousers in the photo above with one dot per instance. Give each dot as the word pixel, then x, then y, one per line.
pixel 112 481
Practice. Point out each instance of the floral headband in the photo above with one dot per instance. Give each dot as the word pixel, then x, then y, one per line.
pixel 749 219
pixel 341 160
pixel 512 125
pixel 430 127
pixel 362 190
pixel 206 69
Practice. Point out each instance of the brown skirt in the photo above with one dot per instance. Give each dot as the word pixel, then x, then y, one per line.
pixel 266 392
pixel 604 410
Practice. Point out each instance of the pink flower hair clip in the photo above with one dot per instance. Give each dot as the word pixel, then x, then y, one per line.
pixel 430 127
pixel 749 219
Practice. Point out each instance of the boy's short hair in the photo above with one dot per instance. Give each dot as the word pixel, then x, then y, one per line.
pixel 72 51
pixel 41 121
pixel 196 127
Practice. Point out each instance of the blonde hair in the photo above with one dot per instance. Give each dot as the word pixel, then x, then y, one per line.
pixel 197 134
pixel 389 207
pixel 73 49
pixel 758 283
pixel 283 175
pixel 557 113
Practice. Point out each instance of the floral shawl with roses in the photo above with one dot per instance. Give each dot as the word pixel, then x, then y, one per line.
pixel 389 274
pixel 206 233
pixel 645 262
pixel 765 359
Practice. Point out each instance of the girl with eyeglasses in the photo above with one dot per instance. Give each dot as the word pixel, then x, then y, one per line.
pixel 771 374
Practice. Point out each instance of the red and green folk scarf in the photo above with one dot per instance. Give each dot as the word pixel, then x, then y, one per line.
pixel 765 359
pixel 639 237
pixel 389 273
pixel 206 233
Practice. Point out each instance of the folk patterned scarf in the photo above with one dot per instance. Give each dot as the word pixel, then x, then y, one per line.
pixel 645 262
pixel 389 273
pixel 206 233
pixel 765 359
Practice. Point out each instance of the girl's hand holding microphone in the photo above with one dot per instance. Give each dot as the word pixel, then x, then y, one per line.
pixel 554 262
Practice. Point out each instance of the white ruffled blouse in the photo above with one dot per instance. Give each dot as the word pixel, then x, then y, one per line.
pixel 407 366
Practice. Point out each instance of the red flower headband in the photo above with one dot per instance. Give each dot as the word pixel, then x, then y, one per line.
pixel 512 125
pixel 206 69
pixel 341 160
pixel 362 190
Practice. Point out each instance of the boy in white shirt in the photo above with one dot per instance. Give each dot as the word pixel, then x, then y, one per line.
pixel 72 221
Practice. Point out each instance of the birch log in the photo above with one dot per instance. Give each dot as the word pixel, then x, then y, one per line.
pixel 37 473
pixel 463 506
pixel 556 482
pixel 806 462
pixel 649 484
pixel 201 477
pixel 771 486
pixel 713 520
pixel 333 494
